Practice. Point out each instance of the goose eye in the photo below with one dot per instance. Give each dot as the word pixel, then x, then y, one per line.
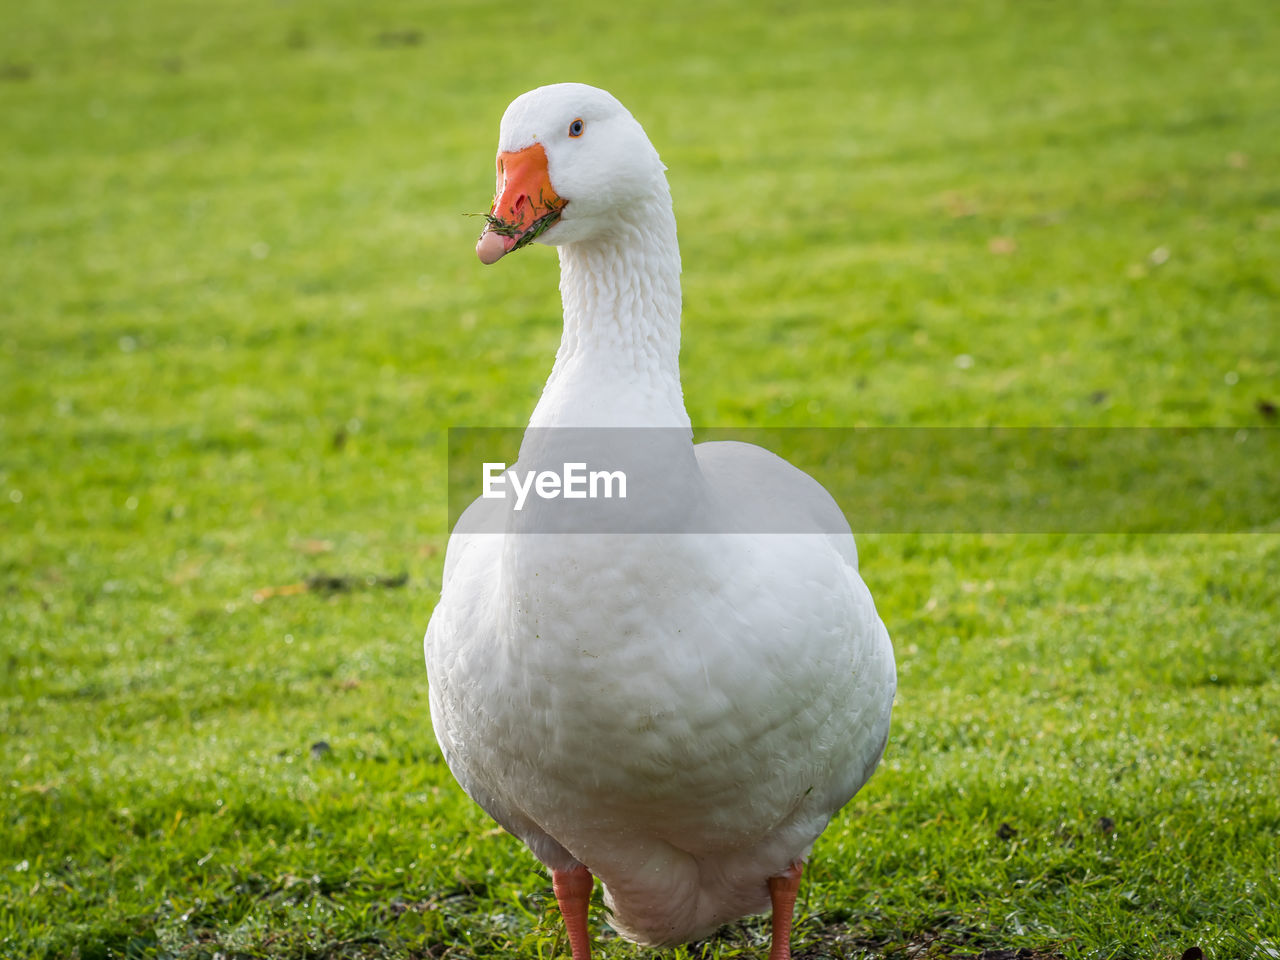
pixel 576 128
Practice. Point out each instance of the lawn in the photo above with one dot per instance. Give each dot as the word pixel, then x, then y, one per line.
pixel 240 308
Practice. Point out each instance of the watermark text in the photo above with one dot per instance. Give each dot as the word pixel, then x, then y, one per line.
pixel 574 482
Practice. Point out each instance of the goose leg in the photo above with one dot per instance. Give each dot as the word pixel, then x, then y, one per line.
pixel 782 891
pixel 573 893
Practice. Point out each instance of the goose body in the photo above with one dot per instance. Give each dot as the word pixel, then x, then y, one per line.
pixel 678 713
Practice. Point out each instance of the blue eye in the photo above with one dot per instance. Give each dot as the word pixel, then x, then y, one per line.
pixel 576 128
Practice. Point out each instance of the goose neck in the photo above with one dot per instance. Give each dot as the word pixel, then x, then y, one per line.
pixel 618 362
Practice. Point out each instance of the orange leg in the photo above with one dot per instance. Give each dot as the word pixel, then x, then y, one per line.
pixel 573 893
pixel 782 891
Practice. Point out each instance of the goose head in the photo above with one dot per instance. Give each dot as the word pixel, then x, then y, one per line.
pixel 572 162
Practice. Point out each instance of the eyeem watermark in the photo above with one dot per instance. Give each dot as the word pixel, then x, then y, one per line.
pixel 884 480
pixel 574 482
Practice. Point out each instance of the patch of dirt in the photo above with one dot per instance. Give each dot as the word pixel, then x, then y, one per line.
pixel 329 584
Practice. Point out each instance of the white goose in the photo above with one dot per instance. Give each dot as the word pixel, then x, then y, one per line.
pixel 681 713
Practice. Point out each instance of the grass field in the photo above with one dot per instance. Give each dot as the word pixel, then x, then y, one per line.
pixel 239 308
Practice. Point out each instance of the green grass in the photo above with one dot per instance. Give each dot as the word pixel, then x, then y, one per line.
pixel 239 307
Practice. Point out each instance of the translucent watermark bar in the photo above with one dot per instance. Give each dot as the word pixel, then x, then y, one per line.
pixel 883 480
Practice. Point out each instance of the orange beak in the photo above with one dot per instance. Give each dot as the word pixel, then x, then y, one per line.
pixel 525 207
